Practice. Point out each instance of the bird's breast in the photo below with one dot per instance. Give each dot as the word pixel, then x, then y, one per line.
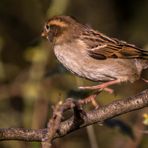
pixel 70 57
pixel 76 60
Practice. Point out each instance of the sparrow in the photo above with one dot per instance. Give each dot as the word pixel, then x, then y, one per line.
pixel 93 55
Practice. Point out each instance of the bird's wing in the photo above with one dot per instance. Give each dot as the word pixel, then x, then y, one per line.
pixel 103 47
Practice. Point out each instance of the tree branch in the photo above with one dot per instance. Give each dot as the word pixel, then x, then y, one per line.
pixel 111 110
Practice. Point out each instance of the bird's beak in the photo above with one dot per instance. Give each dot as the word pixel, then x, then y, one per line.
pixel 45 35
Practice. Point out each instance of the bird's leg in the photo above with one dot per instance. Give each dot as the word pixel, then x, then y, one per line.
pixel 103 86
pixel 145 80
pixel 91 98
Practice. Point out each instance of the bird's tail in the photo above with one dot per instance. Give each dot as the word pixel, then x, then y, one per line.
pixel 144 54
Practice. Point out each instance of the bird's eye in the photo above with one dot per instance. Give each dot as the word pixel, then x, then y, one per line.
pixel 47 27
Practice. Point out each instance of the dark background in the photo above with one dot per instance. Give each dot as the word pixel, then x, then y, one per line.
pixel 31 80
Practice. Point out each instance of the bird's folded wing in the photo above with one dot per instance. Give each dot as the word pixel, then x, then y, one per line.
pixel 117 49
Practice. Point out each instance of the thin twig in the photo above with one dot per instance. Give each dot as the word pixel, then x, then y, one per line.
pixel 53 125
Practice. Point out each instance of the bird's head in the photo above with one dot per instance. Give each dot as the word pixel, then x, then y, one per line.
pixel 59 29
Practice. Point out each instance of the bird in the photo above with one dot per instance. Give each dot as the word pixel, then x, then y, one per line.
pixel 93 55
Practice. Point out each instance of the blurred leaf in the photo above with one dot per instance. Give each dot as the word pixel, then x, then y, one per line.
pixel 145 121
pixel 57 7
pixel 31 90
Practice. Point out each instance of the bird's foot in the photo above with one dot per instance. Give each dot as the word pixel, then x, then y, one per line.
pixel 103 86
pixel 92 99
pixel 145 80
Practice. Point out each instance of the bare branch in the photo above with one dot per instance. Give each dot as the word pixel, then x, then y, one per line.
pixel 111 110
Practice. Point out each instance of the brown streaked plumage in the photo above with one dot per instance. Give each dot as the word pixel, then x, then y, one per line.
pixel 92 55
